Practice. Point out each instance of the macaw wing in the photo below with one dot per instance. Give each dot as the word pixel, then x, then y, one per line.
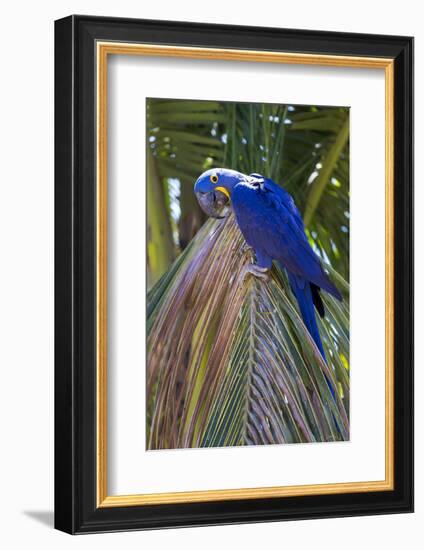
pixel 282 196
pixel 273 225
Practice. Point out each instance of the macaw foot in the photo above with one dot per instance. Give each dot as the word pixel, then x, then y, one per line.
pixel 256 270
pixel 245 248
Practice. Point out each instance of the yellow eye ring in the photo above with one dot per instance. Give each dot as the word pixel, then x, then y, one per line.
pixel 214 178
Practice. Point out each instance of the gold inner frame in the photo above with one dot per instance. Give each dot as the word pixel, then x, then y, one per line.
pixel 104 49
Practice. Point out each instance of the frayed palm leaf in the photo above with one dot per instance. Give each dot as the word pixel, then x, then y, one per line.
pixel 230 361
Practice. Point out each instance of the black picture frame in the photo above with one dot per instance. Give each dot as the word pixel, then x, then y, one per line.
pixel 76 510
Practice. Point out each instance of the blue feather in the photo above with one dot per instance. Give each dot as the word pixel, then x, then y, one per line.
pixel 273 227
pixel 302 290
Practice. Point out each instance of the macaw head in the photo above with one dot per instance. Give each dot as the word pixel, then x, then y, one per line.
pixel 214 188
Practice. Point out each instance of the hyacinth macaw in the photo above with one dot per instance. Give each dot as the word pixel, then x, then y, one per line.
pixel 273 227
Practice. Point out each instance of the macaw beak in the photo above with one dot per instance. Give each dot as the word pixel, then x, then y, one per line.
pixel 212 203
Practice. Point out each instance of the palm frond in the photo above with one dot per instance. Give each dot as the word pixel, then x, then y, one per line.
pixel 230 361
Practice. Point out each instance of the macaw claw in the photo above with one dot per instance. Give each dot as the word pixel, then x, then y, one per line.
pixel 245 248
pixel 256 271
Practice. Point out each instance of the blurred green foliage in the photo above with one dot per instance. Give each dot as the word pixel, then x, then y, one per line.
pixel 303 148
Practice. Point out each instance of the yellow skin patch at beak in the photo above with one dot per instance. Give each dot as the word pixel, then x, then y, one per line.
pixel 223 190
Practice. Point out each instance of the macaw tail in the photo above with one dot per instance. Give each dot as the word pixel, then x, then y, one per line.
pixel 304 295
pixel 308 297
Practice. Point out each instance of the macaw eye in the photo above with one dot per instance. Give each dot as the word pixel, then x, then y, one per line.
pixel 214 178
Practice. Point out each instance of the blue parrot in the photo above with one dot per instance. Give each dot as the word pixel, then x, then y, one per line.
pixel 273 227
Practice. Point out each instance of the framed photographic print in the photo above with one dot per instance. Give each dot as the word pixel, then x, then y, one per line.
pixel 234 274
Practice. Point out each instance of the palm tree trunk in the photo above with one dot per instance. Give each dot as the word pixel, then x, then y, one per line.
pixel 160 245
pixel 192 217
